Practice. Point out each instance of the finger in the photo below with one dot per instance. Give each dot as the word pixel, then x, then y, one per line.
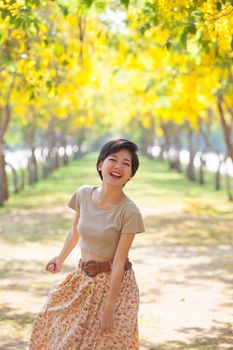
pixel 47 265
pixel 53 267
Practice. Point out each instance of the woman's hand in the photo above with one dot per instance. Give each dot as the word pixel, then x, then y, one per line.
pixel 107 319
pixel 54 265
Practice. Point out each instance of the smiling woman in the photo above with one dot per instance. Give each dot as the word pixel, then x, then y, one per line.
pixel 96 306
pixel 118 161
pixel 119 158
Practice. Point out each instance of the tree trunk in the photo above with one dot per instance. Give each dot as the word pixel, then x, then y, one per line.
pixel 52 150
pixel 45 170
pixel 4 194
pixel 178 150
pixel 174 159
pixel 217 180
pixel 29 133
pixel 80 137
pixel 56 160
pixel 161 155
pixel 190 170
pixel 65 158
pixel 34 165
pixel 148 135
pixel 226 128
pixel 228 184
pixel 30 172
pixel 32 168
pixel 5 116
pixel 218 174
pixel 167 142
pixel 15 178
pixel 202 169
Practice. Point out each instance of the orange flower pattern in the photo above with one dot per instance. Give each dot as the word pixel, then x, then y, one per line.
pixel 70 318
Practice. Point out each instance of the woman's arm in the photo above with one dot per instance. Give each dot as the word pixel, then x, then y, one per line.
pixel 54 265
pixel 118 265
pixel 71 240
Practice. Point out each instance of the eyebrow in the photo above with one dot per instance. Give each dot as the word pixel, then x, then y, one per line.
pixel 113 155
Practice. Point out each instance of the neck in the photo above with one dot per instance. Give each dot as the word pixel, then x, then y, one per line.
pixel 110 194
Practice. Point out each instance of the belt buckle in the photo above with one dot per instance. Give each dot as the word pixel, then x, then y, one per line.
pixel 91 273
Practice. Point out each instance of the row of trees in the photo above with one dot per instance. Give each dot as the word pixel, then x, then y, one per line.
pixel 178 60
pixel 48 83
pixel 172 80
pixel 73 71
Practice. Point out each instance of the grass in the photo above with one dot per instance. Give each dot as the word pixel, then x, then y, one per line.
pixel 152 179
pixel 38 213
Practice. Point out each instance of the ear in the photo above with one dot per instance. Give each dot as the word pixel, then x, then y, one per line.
pixel 100 165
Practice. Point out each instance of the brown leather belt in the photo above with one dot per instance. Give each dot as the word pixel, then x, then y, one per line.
pixel 92 267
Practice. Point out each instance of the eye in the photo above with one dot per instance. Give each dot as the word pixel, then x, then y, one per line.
pixel 126 164
pixel 113 159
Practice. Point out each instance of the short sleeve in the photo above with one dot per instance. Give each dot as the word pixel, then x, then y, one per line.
pixel 74 201
pixel 133 223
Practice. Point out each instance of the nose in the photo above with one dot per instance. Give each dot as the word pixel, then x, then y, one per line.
pixel 118 165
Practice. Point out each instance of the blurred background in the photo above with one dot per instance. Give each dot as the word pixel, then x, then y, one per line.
pixel 77 73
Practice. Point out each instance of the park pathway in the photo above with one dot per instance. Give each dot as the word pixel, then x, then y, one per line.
pixel 185 289
pixel 183 262
pixel 186 285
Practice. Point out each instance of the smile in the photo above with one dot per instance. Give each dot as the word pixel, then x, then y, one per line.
pixel 115 175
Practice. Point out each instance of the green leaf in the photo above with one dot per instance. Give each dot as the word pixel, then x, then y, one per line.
pixel 183 37
pixel 49 84
pixel 88 3
pixel 219 6
pixel 150 84
pixel 125 3
pixel 32 96
pixel 17 22
pixel 192 29
pixel 199 34
pixel 64 10
pixel 189 29
pixel 168 44
pixel 4 13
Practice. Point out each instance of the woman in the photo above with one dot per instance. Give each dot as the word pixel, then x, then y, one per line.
pixel 96 306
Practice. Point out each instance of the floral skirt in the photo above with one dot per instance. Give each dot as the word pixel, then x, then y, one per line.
pixel 70 318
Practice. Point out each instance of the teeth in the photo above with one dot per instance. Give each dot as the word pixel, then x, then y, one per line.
pixel 115 174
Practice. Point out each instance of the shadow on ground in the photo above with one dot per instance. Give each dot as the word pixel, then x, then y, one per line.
pixel 219 338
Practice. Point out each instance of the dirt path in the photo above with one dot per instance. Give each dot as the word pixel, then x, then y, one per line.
pixel 188 305
pixel 185 288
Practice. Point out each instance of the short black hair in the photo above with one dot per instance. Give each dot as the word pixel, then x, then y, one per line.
pixel 114 146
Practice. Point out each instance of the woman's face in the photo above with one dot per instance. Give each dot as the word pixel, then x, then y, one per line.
pixel 116 168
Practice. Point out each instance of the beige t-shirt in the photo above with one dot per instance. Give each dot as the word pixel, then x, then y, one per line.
pixel 99 229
